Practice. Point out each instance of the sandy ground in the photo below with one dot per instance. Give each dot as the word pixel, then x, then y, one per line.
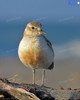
pixel 66 73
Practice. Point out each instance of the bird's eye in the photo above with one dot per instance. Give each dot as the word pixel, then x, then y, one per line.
pixel 33 28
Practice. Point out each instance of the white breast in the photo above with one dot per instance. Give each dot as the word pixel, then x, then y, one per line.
pixel 46 53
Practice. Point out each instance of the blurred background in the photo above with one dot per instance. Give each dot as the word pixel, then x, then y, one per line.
pixel 61 20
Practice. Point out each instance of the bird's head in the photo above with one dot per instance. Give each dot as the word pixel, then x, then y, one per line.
pixel 33 29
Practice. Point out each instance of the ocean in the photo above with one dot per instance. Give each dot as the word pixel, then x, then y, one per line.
pixel 59 33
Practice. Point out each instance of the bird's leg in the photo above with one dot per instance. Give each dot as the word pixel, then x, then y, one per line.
pixel 33 71
pixel 43 76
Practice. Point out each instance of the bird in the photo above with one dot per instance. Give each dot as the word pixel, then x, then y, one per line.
pixel 35 50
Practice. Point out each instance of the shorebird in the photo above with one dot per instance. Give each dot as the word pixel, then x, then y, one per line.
pixel 35 50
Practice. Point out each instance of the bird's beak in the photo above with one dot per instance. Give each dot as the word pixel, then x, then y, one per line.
pixel 43 32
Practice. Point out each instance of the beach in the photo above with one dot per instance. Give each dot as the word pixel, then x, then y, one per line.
pixel 65 72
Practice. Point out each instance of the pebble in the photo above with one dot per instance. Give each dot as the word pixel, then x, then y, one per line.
pixel 68 88
pixel 61 88
pixel 1 96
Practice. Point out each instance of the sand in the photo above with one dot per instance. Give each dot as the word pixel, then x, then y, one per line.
pixel 66 73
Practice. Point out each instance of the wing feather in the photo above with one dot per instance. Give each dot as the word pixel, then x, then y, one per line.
pixel 48 42
pixel 50 45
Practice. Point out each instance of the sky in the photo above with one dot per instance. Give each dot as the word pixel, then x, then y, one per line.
pixel 30 8
pixel 60 19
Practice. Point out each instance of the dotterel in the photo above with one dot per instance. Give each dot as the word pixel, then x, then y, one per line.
pixel 35 50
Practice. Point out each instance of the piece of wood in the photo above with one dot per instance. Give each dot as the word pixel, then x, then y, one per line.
pixel 18 93
pixel 21 91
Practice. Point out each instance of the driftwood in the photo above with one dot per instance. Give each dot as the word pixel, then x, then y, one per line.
pixel 16 93
pixel 20 91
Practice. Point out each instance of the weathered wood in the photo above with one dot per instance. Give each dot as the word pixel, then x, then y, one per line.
pixel 22 91
pixel 18 93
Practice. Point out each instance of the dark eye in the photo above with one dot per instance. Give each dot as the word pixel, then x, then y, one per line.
pixel 33 28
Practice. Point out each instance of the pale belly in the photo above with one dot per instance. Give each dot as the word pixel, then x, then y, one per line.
pixel 35 53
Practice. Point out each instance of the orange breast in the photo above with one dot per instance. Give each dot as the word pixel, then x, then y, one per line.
pixel 31 57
